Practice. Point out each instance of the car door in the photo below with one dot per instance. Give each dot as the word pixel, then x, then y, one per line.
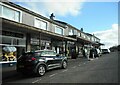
pixel 58 60
pixel 49 58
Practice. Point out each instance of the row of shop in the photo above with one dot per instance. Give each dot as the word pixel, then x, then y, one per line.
pixel 27 39
pixel 24 37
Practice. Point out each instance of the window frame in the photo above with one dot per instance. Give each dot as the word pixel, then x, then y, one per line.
pixel 40 20
pixel 14 9
pixel 62 30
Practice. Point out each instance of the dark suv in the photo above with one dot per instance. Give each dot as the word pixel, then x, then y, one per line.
pixel 40 61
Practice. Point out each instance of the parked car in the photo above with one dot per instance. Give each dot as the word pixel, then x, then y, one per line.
pixel 105 51
pixel 40 61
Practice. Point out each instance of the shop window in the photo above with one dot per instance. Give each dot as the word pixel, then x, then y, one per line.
pixel 13 41
pixel 6 40
pixel 21 42
pixel 59 30
pixel 9 53
pixel 40 24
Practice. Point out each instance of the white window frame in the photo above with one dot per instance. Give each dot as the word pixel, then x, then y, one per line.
pixel 78 34
pixel 82 35
pixel 36 18
pixel 61 29
pixel 71 32
pixel 75 32
pixel 12 9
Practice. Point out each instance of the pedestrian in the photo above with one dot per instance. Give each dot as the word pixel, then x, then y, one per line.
pixel 95 53
pixel 83 52
pixel 73 54
pixel 91 55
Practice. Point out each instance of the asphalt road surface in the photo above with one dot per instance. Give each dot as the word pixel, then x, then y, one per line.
pixel 101 70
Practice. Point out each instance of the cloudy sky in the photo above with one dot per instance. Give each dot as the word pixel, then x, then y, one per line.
pixel 97 17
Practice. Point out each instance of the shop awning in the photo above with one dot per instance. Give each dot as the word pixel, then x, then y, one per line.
pixel 80 39
pixel 97 43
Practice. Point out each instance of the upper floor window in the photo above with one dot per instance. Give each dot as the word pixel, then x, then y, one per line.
pixel 82 35
pixel 75 32
pixel 78 34
pixel 71 32
pixel 9 13
pixel 88 37
pixel 58 30
pixel 40 24
pixel 93 39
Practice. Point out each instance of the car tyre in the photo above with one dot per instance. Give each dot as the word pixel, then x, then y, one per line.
pixel 64 64
pixel 41 70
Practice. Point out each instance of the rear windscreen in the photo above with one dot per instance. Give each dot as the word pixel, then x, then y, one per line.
pixel 26 55
pixel 31 54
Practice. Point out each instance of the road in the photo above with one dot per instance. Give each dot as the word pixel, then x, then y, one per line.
pixel 101 70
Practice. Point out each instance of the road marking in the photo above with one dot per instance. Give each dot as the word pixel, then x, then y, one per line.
pixel 65 70
pixel 36 81
pixel 53 75
pixel 79 65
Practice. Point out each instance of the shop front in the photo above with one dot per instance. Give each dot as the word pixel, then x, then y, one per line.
pixel 70 46
pixel 13 44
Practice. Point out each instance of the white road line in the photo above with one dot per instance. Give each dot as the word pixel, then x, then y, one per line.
pixel 79 65
pixel 36 81
pixel 65 70
pixel 53 75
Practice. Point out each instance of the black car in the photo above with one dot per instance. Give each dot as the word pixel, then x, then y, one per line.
pixel 40 61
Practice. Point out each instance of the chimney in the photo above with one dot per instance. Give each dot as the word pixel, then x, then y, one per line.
pixel 52 16
pixel 82 29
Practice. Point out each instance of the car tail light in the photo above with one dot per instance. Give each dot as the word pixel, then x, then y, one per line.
pixel 33 58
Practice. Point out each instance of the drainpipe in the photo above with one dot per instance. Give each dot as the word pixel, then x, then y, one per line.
pixel 39 40
pixel 28 41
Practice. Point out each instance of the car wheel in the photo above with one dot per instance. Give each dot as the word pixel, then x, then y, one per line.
pixel 64 64
pixel 41 70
